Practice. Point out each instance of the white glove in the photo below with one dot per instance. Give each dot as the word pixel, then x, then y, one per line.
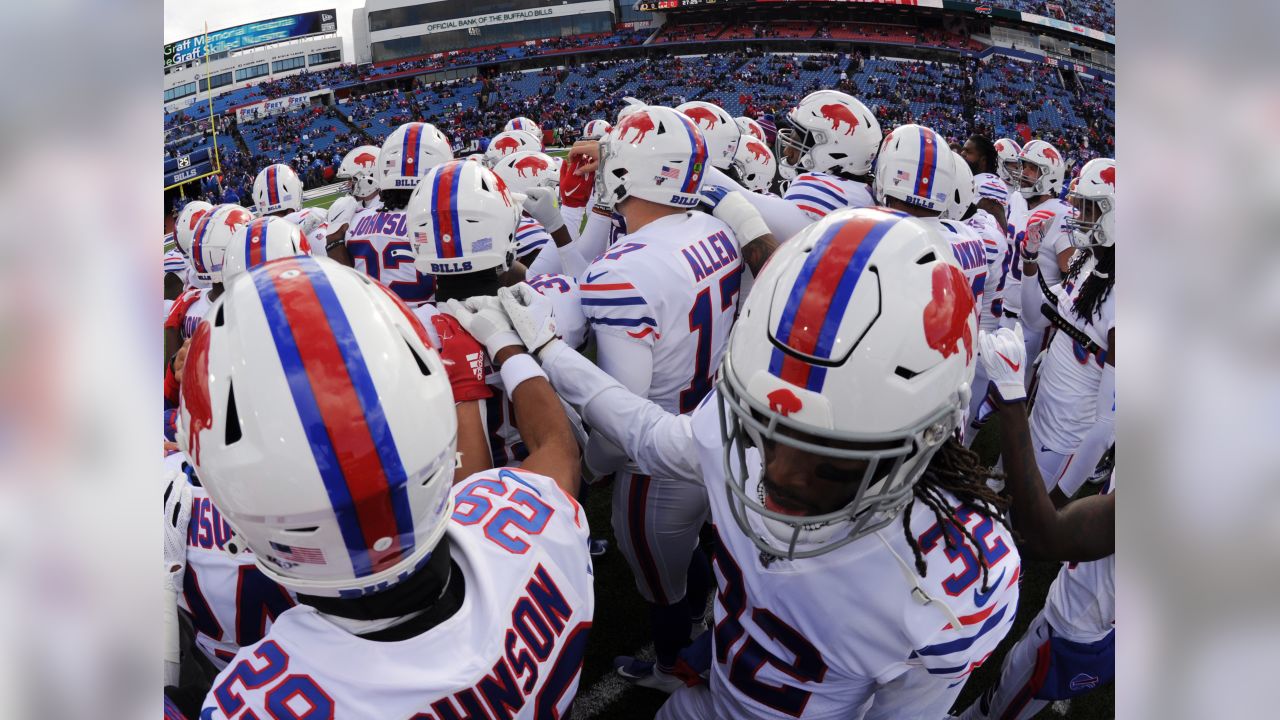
pixel 177 517
pixel 741 216
pixel 540 204
pixel 482 316
pixel 531 313
pixel 1004 353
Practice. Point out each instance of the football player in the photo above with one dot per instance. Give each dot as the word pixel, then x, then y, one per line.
pixel 522 171
pixel 1073 417
pixel 359 169
pixel 277 190
pixel 719 131
pixel 1007 164
pixel 508 142
pixel 917 174
pixel 527 126
pixel 595 129
pixel 319 421
pixel 184 231
pixel 864 568
pixel 1069 648
pixel 214 232
pixel 378 240
pixel 1040 177
pixel 660 304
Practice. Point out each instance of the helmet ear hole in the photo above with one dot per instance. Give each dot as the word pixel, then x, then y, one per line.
pixel 219 317
pixel 422 365
pixel 233 433
pixel 927 258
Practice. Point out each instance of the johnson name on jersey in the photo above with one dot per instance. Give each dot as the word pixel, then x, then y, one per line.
pixel 818 194
pixel 378 241
pixel 513 649
pixel 674 286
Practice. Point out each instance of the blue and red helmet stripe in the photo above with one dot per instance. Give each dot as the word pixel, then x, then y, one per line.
pixel 697 157
pixel 444 209
pixel 273 192
pixel 255 244
pixel 819 297
pixel 340 412
pixel 409 158
pixel 197 244
pixel 927 166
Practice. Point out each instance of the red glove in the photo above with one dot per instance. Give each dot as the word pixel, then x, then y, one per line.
pixel 463 358
pixel 575 190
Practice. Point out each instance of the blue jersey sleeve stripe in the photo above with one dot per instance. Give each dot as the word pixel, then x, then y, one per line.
pixel 613 301
pixel 793 197
pixel 624 322
pixel 964 643
pixel 810 185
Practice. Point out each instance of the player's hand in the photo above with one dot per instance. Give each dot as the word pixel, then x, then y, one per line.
pixel 540 204
pixel 737 212
pixel 586 153
pixel 482 316
pixel 575 189
pixel 1004 355
pixel 180 360
pixel 1031 242
pixel 177 516
pixel 531 314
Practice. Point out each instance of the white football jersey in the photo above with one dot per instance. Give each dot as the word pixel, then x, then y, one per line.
pixel 673 285
pixel 1081 604
pixel 1048 221
pixel 514 646
pixel 379 243
pixel 970 252
pixel 187 311
pixel 1066 402
pixel 230 602
pixel 813 638
pixel 818 194
pixel 1016 217
pixel 996 246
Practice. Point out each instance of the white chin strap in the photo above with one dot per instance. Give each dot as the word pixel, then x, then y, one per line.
pixel 917 591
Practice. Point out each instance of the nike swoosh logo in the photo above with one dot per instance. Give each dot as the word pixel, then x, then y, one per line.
pixel 592 278
pixel 980 599
pixel 1007 360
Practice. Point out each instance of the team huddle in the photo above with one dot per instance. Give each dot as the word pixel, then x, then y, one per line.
pixel 774 352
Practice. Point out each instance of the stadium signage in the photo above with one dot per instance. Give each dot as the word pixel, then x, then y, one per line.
pixel 251 34
pixel 491 19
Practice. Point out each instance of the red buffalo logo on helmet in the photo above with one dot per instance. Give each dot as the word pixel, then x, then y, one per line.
pixel 507 144
pixel 533 164
pixel 640 122
pixel 1051 154
pixel 698 114
pixel 1108 175
pixel 758 151
pixel 195 390
pixel 195 219
pixel 946 317
pixel 236 217
pixel 837 113
pixel 755 130
pixel 784 402
pixel 365 159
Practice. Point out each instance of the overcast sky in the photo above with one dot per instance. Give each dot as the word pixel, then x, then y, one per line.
pixel 186 18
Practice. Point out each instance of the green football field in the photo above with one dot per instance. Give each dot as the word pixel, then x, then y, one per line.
pixel 621 620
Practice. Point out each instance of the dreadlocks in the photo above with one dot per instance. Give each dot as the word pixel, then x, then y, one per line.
pixel 1097 286
pixel 958 471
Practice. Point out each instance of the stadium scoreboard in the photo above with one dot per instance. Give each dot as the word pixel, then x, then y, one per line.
pixel 288 27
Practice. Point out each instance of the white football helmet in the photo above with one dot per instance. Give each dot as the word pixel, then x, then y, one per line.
pixel 261 241
pixel 523 170
pixel 508 142
pixel 408 153
pixel 717 127
pixel 462 219
pixel 754 165
pixel 655 153
pixel 595 129
pixel 1007 164
pixel 630 105
pixel 277 188
pixel 214 234
pixel 866 308
pixel 360 169
pixel 1093 197
pixel 747 126
pixel 916 166
pixel 184 228
pixel 963 194
pixel 566 300
pixel 526 125
pixel 1051 165
pixel 828 131
pixel 332 458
